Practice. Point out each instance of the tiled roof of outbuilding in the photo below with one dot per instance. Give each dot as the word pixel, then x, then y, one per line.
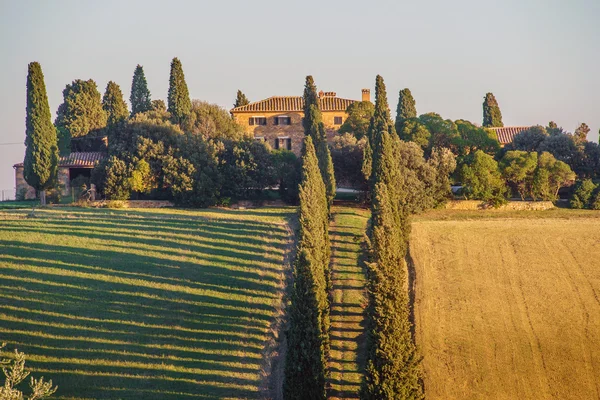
pixel 506 134
pixel 78 160
pixel 294 103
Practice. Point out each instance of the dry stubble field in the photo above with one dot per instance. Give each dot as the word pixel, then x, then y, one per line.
pixel 507 304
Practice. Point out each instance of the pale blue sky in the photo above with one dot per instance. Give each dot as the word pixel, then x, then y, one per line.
pixel 541 58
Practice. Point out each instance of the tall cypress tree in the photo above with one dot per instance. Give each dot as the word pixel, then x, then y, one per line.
pixel 114 105
pixel 406 109
pixel 380 122
pixel 492 117
pixel 41 152
pixel 392 370
pixel 314 127
pixel 140 95
pixel 308 334
pixel 179 103
pixel 240 99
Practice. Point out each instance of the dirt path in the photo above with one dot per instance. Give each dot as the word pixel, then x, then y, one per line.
pixel 349 300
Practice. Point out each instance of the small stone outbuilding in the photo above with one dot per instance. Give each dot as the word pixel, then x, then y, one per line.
pixel 69 168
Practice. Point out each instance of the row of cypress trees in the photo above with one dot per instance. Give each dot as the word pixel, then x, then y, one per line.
pixel 392 370
pixel 307 356
pixel 393 364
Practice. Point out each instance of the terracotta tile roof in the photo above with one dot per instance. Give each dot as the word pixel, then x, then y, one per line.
pixel 293 103
pixel 78 160
pixel 507 134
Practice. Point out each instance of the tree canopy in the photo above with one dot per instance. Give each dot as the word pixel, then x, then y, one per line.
pixel 114 105
pixel 240 99
pixel 80 113
pixel 406 109
pixel 358 120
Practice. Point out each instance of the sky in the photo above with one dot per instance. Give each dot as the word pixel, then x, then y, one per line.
pixel 540 58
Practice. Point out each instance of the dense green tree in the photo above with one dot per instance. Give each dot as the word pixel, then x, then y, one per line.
pixel 473 138
pixel 392 369
pixel 443 162
pixel 549 176
pixel 213 121
pixel 114 105
pixel 581 133
pixel 80 113
pixel 583 196
pixel 492 117
pixel 314 127
pixel 553 129
pixel 158 105
pixel 308 333
pixel 481 179
pixel 444 132
pixel 406 109
pixel 359 118
pixel 41 151
pixel 529 139
pixel 179 103
pixel 140 95
pixel 287 171
pixel 413 130
pixel 563 147
pixel 518 168
pixel 240 99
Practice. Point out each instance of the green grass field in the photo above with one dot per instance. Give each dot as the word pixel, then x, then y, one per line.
pixel 507 304
pixel 349 301
pixel 153 304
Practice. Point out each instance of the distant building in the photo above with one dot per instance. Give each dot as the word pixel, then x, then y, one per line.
pixel 506 134
pixel 278 120
pixel 69 168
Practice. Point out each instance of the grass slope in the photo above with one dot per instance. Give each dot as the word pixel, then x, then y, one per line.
pixel 154 304
pixel 349 300
pixel 507 305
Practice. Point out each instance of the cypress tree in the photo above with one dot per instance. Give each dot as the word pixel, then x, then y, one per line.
pixel 314 127
pixel 114 105
pixel 392 370
pixel 240 100
pixel 140 95
pixel 406 109
pixel 492 117
pixel 80 113
pixel 179 103
pixel 41 152
pixel 380 122
pixel 308 334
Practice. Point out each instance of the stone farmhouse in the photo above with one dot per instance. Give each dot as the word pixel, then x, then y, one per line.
pixel 69 168
pixel 278 120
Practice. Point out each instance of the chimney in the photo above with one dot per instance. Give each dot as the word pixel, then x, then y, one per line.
pixel 366 95
pixel 321 94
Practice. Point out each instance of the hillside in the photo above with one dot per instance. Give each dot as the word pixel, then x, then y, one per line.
pixel 163 304
pixel 507 305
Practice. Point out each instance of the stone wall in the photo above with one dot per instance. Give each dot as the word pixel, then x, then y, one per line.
pixel 511 205
pixel 21 184
pixel 271 132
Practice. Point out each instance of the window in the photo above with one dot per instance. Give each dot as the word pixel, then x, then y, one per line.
pixel 285 120
pixel 337 120
pixel 283 143
pixel 257 121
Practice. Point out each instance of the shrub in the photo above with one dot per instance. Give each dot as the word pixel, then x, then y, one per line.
pixel 518 169
pixel 287 173
pixel 118 185
pixel 15 373
pixel 582 196
pixel 21 194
